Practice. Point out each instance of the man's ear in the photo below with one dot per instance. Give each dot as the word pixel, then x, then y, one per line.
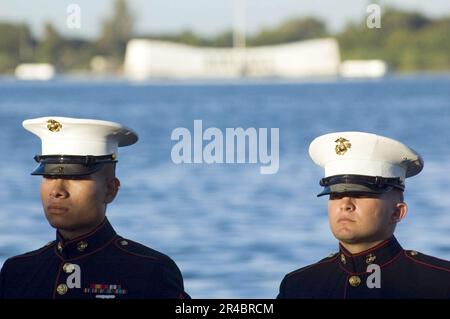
pixel 112 188
pixel 400 210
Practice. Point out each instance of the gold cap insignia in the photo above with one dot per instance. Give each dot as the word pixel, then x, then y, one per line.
pixel 343 145
pixel 54 126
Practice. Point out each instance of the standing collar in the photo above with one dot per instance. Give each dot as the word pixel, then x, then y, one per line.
pixel 380 254
pixel 85 244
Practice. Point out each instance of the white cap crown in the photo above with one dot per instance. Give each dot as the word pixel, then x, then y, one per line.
pixel 360 153
pixel 72 136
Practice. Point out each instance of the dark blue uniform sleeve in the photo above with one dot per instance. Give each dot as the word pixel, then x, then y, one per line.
pixel 2 281
pixel 282 288
pixel 173 287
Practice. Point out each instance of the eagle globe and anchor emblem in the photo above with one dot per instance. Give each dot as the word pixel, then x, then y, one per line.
pixel 343 145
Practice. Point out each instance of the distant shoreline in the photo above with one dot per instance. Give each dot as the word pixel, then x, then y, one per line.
pixel 119 79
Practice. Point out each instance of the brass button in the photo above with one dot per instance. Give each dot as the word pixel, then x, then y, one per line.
pixel 354 281
pixel 370 258
pixel 62 289
pixel 68 268
pixel 343 260
pixel 123 242
pixel 59 246
pixel 81 246
pixel 413 253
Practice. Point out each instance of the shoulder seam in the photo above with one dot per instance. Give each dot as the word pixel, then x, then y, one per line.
pixel 312 265
pixel 134 254
pixel 427 264
pixel 36 252
pixel 444 260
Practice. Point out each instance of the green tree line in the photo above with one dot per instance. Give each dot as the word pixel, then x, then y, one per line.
pixel 408 41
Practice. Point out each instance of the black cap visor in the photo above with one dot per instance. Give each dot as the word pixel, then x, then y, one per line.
pixel 359 185
pixel 70 165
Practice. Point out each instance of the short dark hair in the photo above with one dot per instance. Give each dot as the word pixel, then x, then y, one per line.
pixel 108 170
pixel 397 194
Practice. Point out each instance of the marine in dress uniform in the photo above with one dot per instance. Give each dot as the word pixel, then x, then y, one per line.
pixel 99 263
pixel 361 164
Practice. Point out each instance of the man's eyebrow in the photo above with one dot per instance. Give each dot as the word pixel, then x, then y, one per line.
pixel 355 195
pixel 69 177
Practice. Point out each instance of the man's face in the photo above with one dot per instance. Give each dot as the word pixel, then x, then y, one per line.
pixel 75 203
pixel 368 218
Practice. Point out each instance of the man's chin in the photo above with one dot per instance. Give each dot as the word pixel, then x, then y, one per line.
pixel 354 238
pixel 347 237
pixel 59 223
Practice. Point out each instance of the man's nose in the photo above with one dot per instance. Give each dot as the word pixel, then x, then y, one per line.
pixel 347 204
pixel 58 189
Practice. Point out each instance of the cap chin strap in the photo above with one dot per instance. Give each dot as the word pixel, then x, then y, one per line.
pixel 370 181
pixel 86 160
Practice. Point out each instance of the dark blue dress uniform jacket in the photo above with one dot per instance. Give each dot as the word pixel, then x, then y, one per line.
pixel 403 274
pixel 100 264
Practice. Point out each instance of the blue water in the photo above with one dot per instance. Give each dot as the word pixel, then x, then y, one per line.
pixel 233 232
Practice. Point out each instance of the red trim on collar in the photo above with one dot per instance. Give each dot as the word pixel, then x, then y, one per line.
pixel 349 254
pixel 97 228
pixel 365 272
pixel 86 255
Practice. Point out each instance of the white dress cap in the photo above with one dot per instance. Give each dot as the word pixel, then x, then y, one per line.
pixel 350 154
pixel 73 136
pixel 359 153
